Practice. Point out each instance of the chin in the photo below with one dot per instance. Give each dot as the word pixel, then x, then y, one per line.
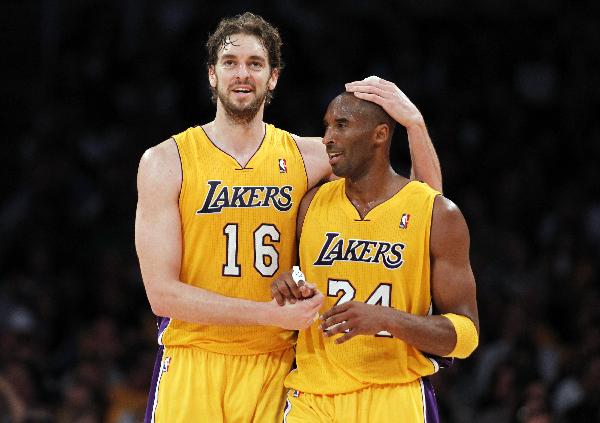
pixel 338 172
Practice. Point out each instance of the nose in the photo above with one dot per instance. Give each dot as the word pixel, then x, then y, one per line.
pixel 327 137
pixel 242 71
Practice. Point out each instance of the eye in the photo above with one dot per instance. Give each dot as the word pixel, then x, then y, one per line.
pixel 228 62
pixel 256 65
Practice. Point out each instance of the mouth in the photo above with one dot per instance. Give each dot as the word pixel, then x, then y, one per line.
pixel 242 90
pixel 334 156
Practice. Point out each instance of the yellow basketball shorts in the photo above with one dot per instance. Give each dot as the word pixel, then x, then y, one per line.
pixel 412 402
pixel 193 385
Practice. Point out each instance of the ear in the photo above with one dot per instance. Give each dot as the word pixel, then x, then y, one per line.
pixel 381 133
pixel 273 79
pixel 212 77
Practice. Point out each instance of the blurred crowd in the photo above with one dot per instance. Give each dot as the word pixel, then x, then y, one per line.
pixel 509 90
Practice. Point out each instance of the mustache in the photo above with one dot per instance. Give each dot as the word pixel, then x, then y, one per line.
pixel 238 84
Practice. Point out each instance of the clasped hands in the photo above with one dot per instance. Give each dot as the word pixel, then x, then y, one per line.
pixel 350 318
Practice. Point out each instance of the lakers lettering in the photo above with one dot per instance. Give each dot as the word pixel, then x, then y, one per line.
pixel 223 196
pixel 336 248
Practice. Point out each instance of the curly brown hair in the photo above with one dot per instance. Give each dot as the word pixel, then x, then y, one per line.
pixel 250 24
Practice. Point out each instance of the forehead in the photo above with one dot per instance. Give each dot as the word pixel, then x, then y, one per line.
pixel 243 45
pixel 344 107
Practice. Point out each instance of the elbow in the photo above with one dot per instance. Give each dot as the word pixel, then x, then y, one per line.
pixel 156 301
pixel 158 309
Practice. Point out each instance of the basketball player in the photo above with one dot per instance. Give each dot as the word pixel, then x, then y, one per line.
pixel 216 216
pixel 382 249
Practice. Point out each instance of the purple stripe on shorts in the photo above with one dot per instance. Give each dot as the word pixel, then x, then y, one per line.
pixel 431 410
pixel 154 381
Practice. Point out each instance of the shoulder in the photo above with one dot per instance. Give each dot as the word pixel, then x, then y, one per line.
pixel 315 158
pixel 448 225
pixel 310 147
pixel 160 165
pixel 160 156
pixel 446 210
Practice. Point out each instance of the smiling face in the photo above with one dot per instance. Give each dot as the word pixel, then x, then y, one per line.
pixel 242 77
pixel 350 136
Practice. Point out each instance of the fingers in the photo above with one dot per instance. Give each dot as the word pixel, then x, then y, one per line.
pixel 370 97
pixel 294 288
pixel 370 80
pixel 282 294
pixel 306 289
pixel 370 89
pixel 276 295
pixel 340 308
pixel 341 327
pixel 328 323
pixel 285 289
pixel 346 337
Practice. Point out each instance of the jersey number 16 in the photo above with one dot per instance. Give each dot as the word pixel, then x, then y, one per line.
pixel 266 257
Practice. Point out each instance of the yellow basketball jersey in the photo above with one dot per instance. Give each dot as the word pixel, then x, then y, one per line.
pixel 381 259
pixel 239 230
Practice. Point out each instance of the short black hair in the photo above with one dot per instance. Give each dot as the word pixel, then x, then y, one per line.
pixel 373 112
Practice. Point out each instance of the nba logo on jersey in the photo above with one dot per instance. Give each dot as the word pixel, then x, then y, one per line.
pixel 282 166
pixel 404 220
pixel 165 365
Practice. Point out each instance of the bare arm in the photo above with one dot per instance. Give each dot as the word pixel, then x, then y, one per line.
pixel 159 247
pixel 425 163
pixel 453 291
pixel 452 284
pixel 315 159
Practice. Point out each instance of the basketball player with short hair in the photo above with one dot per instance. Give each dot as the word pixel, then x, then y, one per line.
pixel 383 250
pixel 215 222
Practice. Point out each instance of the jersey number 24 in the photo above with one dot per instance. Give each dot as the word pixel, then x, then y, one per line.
pixel 380 295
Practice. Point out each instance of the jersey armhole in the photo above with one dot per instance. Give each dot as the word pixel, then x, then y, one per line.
pixel 313 192
pixel 183 179
pixel 301 158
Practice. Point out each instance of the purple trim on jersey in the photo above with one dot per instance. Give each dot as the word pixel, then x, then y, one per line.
pixel 431 410
pixel 443 362
pixel 162 323
pixel 153 383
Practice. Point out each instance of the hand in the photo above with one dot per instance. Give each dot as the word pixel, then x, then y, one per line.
pixel 297 316
pixel 388 96
pixel 285 289
pixel 354 318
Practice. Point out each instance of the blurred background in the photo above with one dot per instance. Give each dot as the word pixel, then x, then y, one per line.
pixel 510 91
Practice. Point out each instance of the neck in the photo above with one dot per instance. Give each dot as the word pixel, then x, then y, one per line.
pixel 234 137
pixel 374 187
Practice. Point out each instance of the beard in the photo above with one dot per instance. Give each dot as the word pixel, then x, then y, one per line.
pixel 241 113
